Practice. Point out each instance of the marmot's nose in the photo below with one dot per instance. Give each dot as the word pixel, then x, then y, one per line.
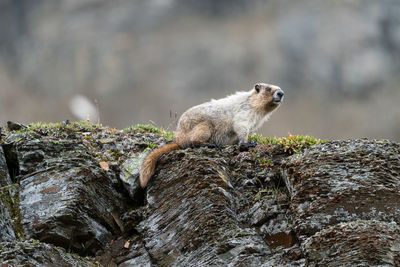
pixel 279 93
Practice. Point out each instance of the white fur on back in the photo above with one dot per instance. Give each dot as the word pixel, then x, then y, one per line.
pixel 234 107
pixel 229 120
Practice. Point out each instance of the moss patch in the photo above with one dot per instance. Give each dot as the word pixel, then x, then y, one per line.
pixel 60 129
pixel 148 128
pixel 291 143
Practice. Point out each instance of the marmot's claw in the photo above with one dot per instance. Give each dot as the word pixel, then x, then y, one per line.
pixel 253 143
pixel 213 146
pixel 208 145
pixel 196 144
pixel 245 146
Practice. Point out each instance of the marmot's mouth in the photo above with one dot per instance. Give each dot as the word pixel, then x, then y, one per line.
pixel 277 101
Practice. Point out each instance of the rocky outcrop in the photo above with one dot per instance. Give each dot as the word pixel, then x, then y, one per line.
pixel 75 200
pixel 344 181
pixel 361 243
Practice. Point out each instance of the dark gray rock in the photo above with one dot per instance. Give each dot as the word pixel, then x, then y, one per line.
pixel 66 197
pixel 6 226
pixel 130 175
pixel 10 216
pixel 32 254
pixel 15 126
pixel 70 207
pixel 125 252
pixel 142 260
pixel 250 206
pixel 4 174
pixel 344 181
pixel 192 214
pixel 357 243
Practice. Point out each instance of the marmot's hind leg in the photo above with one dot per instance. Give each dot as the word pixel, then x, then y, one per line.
pixel 200 134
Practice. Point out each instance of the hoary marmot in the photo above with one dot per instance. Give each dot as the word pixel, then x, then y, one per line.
pixel 220 122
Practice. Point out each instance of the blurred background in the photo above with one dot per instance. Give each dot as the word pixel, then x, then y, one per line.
pixel 125 62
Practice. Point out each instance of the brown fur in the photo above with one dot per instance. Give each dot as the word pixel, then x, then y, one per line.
pixel 263 103
pixel 149 164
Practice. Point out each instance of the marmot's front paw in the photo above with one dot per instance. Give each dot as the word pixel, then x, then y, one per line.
pixel 245 146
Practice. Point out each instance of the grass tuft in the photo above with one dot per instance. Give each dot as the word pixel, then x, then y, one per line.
pixel 79 126
pixel 291 144
pixel 148 128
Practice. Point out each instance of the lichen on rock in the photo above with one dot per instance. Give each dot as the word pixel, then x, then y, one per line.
pixel 344 181
pixel 356 243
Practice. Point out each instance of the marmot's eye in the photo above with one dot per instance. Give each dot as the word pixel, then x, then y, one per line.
pixel 268 89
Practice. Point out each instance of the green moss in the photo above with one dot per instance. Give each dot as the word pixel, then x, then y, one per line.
pixel 143 128
pixel 264 162
pixel 10 198
pixel 114 154
pixel 148 128
pixel 169 135
pixel 291 143
pixel 262 194
pixel 267 194
pixel 60 127
pixel 151 145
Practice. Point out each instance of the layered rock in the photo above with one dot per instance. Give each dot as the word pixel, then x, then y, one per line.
pixel 33 253
pixel 344 181
pixel 75 186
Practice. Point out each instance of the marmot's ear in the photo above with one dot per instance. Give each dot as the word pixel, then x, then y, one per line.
pixel 257 87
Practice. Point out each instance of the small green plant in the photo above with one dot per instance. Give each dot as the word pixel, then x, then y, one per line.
pixel 268 193
pixel 291 143
pixel 148 128
pixel 264 194
pixel 143 128
pixel 151 145
pixel 169 135
pixel 79 126
pixel 263 162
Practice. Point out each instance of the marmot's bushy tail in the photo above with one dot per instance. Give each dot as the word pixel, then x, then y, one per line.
pixel 149 163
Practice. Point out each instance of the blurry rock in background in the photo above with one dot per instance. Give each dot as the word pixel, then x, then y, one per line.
pixel 338 61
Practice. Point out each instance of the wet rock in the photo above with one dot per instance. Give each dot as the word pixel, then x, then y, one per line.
pixel 192 214
pixel 6 227
pixel 142 260
pixel 66 197
pixel 11 158
pixel 131 219
pixel 357 243
pixel 125 251
pixel 72 208
pixel 130 176
pixel 344 181
pixel 133 155
pixel 32 253
pixel 15 126
pixel 11 213
pixel 4 174
pixel 77 188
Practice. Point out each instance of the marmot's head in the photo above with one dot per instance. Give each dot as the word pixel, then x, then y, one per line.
pixel 267 97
